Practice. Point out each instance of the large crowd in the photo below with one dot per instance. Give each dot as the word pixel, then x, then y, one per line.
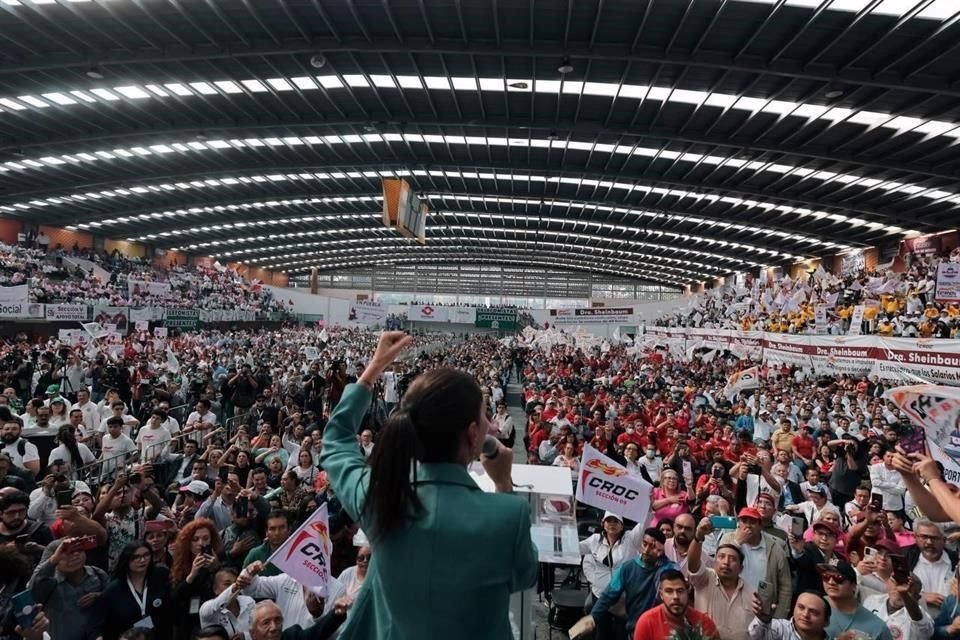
pixel 895 303
pixel 53 278
pixel 144 490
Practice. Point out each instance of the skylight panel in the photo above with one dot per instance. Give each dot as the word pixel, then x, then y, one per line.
pixel 228 86
pixel 59 98
pixel 410 82
pixel 304 83
pixel 83 96
pixel 605 89
pixel 330 82
pixel 132 92
pixel 382 80
pixel 203 88
pixel 464 83
pixel 254 86
pixel 178 89
pixel 157 91
pixel 355 80
pixel 279 84
pixel 10 104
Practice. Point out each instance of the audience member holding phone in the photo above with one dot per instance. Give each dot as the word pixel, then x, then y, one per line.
pixel 68 589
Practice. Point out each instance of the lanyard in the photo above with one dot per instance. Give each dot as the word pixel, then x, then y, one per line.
pixel 140 600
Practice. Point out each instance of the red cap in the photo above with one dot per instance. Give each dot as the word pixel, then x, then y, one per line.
pixel 886 543
pixel 829 526
pixel 749 512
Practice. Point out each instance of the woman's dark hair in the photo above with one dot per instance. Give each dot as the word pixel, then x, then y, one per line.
pixel 137 634
pixel 14 566
pixel 216 632
pixel 122 570
pixel 427 427
pixel 67 437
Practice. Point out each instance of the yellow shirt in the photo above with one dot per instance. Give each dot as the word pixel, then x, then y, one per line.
pixel 884 329
pixel 869 313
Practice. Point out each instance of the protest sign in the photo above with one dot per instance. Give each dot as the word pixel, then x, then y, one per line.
pixel 742 381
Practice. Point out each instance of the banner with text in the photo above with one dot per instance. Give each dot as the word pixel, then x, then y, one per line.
pixel 181 318
pixel 147 288
pixel 937 409
pixel 119 316
pixel 426 313
pixel 500 318
pixel 66 312
pixel 948 282
pixel 595 315
pixel 367 312
pixel 608 486
pixel 305 556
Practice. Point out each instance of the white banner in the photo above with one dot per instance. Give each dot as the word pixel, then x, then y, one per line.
pixel 147 288
pixel 461 315
pixel 783 348
pixel 66 312
pixel 856 321
pixel 95 329
pixel 948 282
pixel 933 360
pixel 14 303
pixel 368 312
pixel 426 313
pixel 608 486
pixel 14 295
pixel 836 355
pixel 594 315
pixel 820 319
pixel 160 332
pixel 305 556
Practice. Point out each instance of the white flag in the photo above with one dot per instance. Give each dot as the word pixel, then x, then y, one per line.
pixel 741 381
pixel 608 486
pixel 173 365
pixel 95 329
pixel 305 556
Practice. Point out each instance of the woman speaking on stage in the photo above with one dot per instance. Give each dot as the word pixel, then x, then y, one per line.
pixel 446 555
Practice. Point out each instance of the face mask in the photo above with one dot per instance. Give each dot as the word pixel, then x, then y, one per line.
pixel 651 453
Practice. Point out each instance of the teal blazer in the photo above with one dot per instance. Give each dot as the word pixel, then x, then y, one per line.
pixel 450 572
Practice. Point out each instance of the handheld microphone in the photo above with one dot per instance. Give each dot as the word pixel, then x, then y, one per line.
pixel 491 447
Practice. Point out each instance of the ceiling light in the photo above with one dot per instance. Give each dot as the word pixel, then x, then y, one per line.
pixel 95 73
pixel 835 93
pixel 318 61
pixel 565 67
pixel 519 85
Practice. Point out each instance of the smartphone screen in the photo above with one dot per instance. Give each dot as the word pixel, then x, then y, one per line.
pixel 64 498
pixel 876 502
pixel 797 527
pixel 901 570
pixel 723 522
pixel 24 609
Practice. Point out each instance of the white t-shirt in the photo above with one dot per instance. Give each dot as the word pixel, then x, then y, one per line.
pixel 62 453
pixel 194 419
pixel 111 447
pixel 171 425
pixel 153 443
pixel 127 424
pixel 30 453
pixel 91 417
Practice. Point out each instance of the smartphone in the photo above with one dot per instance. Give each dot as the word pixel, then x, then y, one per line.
pixel 24 609
pixel 869 552
pixel 206 550
pixel 242 506
pixel 723 522
pixel 901 570
pixel 876 502
pixel 23 538
pixel 765 594
pixel 64 498
pixel 222 473
pixel 797 527
pixel 86 543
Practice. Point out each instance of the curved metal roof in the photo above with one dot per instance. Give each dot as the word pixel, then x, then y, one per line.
pixel 687 139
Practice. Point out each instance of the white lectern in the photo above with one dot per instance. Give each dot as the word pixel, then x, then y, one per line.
pixel 553 526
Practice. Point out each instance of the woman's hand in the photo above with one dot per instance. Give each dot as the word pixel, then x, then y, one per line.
pixel 500 468
pixel 198 563
pixel 390 346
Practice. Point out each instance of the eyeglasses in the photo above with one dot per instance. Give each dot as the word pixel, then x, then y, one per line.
pixel 140 556
pixel 834 578
pixel 363 558
pixel 924 536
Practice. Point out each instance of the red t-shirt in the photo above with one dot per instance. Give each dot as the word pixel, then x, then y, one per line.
pixel 803 446
pixel 655 624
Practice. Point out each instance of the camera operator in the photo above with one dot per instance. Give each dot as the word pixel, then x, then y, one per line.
pixel 313 388
pixel 102 377
pixel 19 373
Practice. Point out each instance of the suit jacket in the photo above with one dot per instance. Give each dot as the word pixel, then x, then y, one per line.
pixel 778 573
pixel 450 572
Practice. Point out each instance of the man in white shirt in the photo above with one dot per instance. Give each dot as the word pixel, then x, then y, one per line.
pixel 300 605
pixel 933 567
pixel 201 420
pixel 23 453
pixel 228 609
pixel 886 480
pixel 813 508
pixel 128 421
pixel 901 609
pixel 116 446
pixel 366 442
pixel 153 439
pixel 91 417
pixel 390 394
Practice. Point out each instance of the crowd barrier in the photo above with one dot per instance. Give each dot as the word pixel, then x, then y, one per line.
pixel 911 360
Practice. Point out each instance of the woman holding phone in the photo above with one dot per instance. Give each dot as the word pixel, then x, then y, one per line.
pixel 196 557
pixel 138 595
pixel 425 515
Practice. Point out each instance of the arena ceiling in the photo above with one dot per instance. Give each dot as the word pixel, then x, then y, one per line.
pixel 666 140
